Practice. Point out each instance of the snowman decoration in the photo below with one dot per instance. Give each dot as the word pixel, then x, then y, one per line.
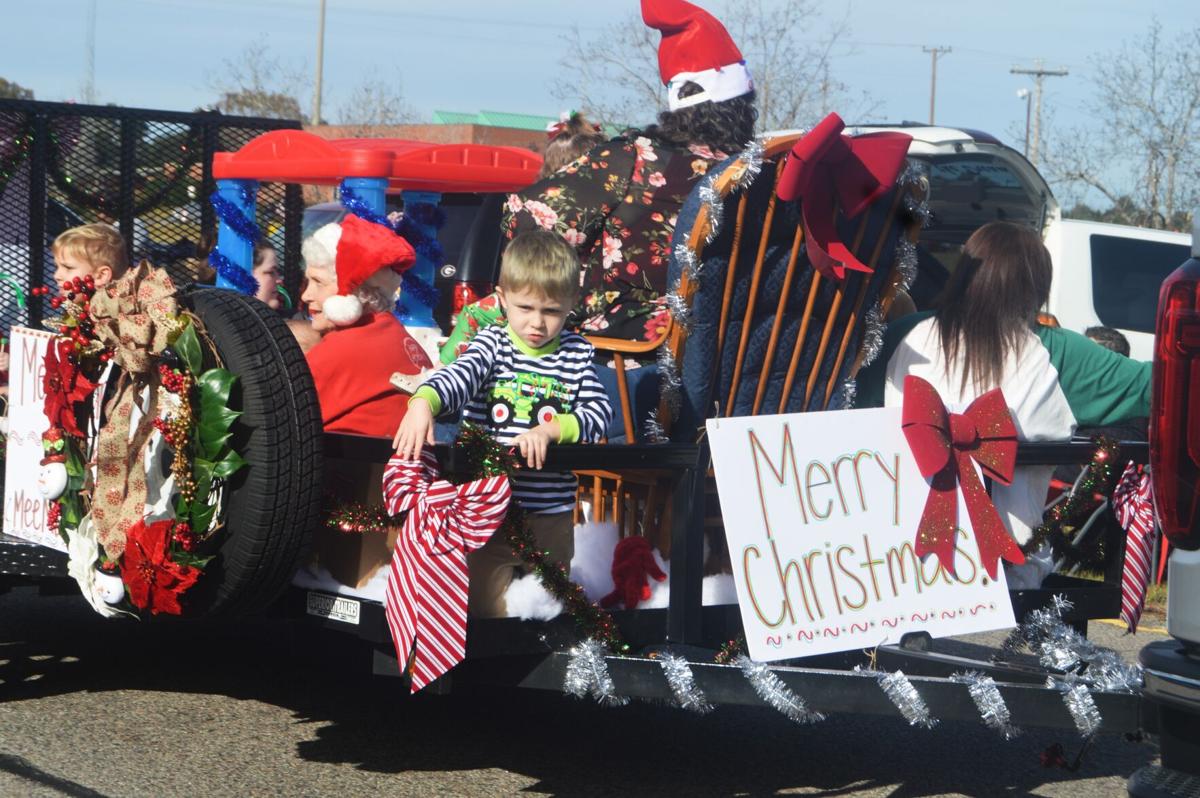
pixel 52 479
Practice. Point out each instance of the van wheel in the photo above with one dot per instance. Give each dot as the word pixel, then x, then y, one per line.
pixel 272 505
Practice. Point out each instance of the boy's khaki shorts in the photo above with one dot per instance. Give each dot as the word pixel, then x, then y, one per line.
pixel 493 566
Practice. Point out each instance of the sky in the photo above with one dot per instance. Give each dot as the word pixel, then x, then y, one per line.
pixel 470 55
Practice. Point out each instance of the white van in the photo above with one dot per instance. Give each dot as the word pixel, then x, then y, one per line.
pixel 1109 274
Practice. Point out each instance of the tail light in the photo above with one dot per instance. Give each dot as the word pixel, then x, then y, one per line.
pixel 1175 407
pixel 464 294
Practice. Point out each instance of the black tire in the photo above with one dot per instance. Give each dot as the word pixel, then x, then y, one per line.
pixel 501 411
pixel 273 504
pixel 545 411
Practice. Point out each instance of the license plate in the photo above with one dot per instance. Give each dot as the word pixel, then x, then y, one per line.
pixel 335 608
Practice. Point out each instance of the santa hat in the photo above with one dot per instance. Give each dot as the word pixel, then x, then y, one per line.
pixel 355 250
pixel 696 47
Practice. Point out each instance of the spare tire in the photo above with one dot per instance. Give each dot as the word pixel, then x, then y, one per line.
pixel 272 505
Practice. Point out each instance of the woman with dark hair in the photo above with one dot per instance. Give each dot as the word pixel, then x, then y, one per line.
pixel 617 205
pixel 985 334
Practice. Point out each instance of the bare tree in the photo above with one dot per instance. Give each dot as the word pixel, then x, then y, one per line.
pixel 1142 153
pixel 257 83
pixel 613 72
pixel 376 102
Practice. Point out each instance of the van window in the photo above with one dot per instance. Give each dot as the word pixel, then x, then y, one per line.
pixel 1126 276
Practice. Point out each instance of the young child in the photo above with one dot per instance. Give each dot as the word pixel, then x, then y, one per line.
pixel 531 384
pixel 90 250
pixel 570 137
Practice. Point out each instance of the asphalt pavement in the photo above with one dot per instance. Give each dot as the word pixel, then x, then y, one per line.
pixel 266 707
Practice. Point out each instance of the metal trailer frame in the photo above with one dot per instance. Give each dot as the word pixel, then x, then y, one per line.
pixel 532 654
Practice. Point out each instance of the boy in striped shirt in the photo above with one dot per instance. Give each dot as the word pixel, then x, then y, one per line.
pixel 532 384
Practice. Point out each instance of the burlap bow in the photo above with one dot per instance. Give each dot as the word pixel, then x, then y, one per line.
pixel 426 602
pixel 136 318
pixel 944 446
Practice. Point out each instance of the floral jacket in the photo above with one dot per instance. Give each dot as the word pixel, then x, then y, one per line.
pixel 617 205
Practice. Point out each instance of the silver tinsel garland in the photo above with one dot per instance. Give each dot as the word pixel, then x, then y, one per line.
pixel 1060 647
pixel 992 708
pixel 904 696
pixel 1079 703
pixel 682 682
pixel 772 690
pixel 678 306
pixel 587 673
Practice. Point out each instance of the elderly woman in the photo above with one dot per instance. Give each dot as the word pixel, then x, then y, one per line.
pixel 353 270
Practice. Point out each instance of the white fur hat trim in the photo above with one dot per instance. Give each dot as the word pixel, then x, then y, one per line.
pixel 342 310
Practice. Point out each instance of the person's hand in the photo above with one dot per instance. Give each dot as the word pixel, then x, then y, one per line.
pixel 3 361
pixel 415 430
pixel 533 443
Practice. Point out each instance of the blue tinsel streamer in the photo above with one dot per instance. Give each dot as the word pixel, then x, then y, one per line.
pixel 235 275
pixel 245 228
pixel 359 207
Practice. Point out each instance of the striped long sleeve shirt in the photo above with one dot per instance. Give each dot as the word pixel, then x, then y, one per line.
pixel 506 386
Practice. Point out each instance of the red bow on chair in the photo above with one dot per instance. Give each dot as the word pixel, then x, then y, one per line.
pixel 944 446
pixel 426 603
pixel 825 166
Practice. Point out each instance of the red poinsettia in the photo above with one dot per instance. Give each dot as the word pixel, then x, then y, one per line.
pixel 152 578
pixel 64 385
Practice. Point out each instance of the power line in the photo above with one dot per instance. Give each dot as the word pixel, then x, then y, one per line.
pixel 1040 73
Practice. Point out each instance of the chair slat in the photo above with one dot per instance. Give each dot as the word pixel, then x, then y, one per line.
pixel 755 279
pixel 731 272
pixel 814 288
pixel 784 294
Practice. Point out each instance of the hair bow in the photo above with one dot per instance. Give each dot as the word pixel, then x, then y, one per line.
pixel 946 447
pixel 426 602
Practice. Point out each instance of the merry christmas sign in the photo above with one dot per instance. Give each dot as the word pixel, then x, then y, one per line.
pixel 821 514
pixel 24 503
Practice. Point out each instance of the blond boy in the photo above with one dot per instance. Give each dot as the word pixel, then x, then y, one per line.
pixel 90 250
pixel 531 384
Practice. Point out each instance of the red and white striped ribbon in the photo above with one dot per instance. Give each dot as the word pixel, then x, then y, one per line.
pixel 1134 509
pixel 426 601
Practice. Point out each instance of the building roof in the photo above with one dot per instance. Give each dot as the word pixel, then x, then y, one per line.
pixel 494 119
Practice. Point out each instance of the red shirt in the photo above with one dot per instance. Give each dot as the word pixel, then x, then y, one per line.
pixel 351 367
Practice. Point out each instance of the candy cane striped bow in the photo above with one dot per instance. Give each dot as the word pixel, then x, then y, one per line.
pixel 426 603
pixel 1134 509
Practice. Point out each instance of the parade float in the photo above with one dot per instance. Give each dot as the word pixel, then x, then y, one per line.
pixel 781 277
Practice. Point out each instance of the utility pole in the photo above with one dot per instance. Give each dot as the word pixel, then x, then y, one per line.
pixel 89 79
pixel 1039 73
pixel 1023 95
pixel 934 52
pixel 316 114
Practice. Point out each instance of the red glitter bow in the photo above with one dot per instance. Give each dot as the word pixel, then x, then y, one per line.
pixel 825 168
pixel 944 446
pixel 426 602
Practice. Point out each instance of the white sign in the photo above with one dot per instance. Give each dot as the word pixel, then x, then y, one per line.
pixel 821 510
pixel 336 608
pixel 24 505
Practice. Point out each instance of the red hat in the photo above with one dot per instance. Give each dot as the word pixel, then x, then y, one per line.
pixel 54 446
pixel 696 47
pixel 356 249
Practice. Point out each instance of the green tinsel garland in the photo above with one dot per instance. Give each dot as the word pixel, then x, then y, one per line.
pixel 1078 505
pixel 487 458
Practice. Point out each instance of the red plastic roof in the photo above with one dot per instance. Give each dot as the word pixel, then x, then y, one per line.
pixel 294 156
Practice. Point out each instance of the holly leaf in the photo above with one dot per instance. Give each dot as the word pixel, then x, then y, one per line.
pixel 228 465
pixel 188 347
pixel 215 416
pixel 202 516
pixel 190 559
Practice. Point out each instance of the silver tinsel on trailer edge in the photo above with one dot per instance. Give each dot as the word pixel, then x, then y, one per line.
pixel 682 682
pixel 901 692
pixel 989 702
pixel 1079 703
pixel 772 690
pixel 587 672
